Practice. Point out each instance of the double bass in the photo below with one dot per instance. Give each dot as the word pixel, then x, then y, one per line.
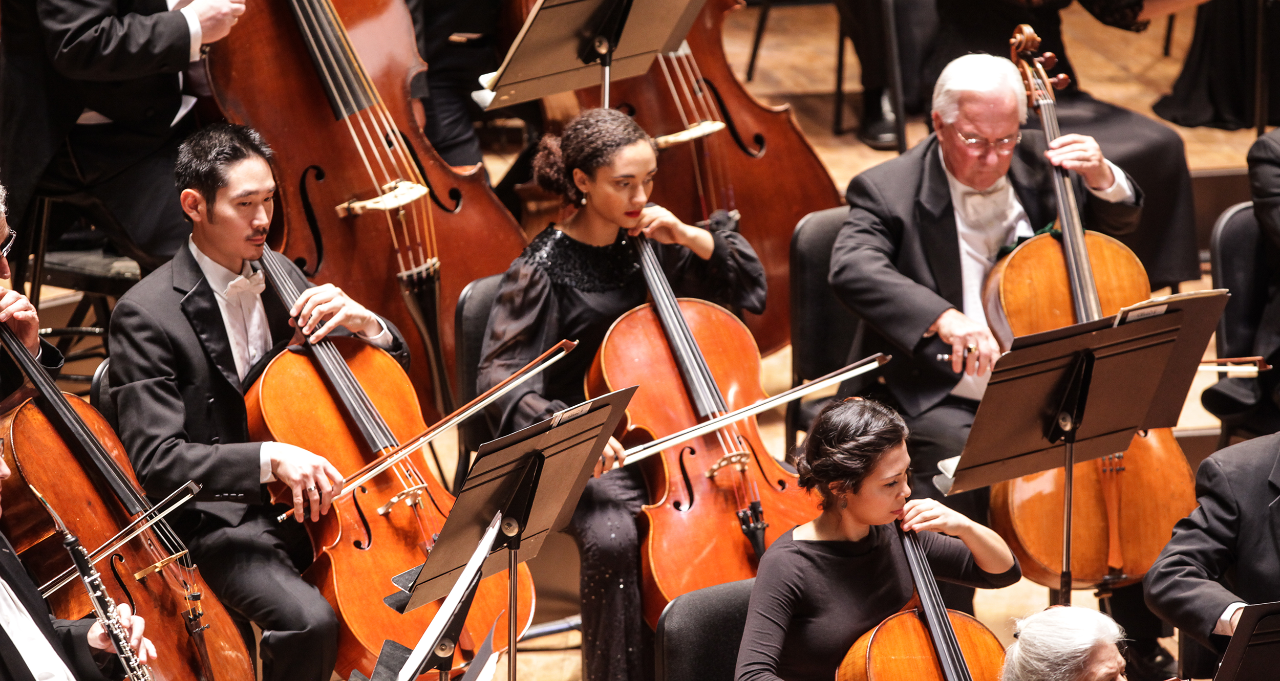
pixel 723 150
pixel 62 447
pixel 924 641
pixel 1125 504
pixel 365 201
pixel 353 403
pixel 721 492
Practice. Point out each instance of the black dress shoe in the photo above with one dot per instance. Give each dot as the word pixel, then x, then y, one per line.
pixel 1149 663
pixel 878 134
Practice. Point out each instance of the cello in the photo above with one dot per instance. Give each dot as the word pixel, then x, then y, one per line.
pixel 63 447
pixel 365 201
pixel 353 403
pixel 723 150
pixel 721 492
pixel 924 641
pixel 1124 505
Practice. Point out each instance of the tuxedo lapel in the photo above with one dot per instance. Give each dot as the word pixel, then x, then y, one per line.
pixel 20 583
pixel 201 309
pixel 1273 508
pixel 937 220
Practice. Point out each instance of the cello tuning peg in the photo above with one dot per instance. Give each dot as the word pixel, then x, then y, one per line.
pixel 1060 81
pixel 1049 60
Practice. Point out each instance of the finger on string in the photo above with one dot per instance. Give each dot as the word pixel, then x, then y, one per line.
pixel 324 330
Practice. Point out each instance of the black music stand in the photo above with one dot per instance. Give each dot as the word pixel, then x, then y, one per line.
pixel 561 42
pixel 1082 392
pixel 1255 647
pixel 520 488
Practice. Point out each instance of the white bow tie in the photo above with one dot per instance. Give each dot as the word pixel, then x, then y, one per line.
pixel 255 285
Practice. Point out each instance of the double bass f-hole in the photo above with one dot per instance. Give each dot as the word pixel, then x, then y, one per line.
pixel 455 194
pixel 729 123
pixel 313 225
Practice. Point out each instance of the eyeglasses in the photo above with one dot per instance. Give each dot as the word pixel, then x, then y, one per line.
pixel 7 244
pixel 1003 146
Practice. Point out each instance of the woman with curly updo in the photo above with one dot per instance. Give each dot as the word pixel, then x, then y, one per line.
pixel 573 281
pixel 829 581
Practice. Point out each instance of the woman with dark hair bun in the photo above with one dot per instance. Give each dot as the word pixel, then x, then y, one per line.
pixel 826 583
pixel 573 281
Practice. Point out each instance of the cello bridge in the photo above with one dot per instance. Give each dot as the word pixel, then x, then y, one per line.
pixel 158 566
pixel 738 460
pixel 394 195
pixel 409 497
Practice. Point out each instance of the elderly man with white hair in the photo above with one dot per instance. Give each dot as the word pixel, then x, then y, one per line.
pixel 1065 644
pixel 923 231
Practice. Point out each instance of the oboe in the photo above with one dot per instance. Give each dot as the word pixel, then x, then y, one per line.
pixel 103 604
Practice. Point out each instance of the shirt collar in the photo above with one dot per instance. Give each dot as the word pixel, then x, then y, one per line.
pixel 219 277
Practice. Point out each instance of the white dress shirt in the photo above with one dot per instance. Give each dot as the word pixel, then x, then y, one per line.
pixel 239 299
pixel 1223 625
pixel 91 117
pixel 987 221
pixel 41 658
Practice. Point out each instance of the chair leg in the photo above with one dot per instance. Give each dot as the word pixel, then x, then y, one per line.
pixel 755 42
pixel 895 75
pixel 1168 34
pixel 837 124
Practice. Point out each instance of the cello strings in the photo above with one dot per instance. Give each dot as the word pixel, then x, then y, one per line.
pixel 945 644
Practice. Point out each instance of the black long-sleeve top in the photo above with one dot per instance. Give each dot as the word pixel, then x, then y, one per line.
pixel 813 599
pixel 561 288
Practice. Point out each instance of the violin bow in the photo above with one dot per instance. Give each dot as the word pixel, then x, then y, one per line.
pixel 646 450
pixel 382 463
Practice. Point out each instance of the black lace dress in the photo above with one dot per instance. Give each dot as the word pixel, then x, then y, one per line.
pixel 562 288
pixel 1152 153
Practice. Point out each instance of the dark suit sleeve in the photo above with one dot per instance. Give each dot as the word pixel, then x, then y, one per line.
pixel 152 415
pixel 89 40
pixel 85 665
pixel 1119 217
pixel 1264 180
pixel 866 278
pixel 1184 585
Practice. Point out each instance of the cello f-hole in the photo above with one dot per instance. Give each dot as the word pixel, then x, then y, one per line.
pixel 116 560
pixel 688 484
pixel 313 225
pixel 365 543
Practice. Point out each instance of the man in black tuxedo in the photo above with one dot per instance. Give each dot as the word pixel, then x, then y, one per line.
pixel 92 109
pixel 1226 554
pixel 32 643
pixel 924 230
pixel 186 342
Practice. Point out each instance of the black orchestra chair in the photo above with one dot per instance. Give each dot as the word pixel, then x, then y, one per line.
pixel 469 322
pixel 822 327
pixel 698 633
pixel 1241 264
pixel 100 392
pixel 99 276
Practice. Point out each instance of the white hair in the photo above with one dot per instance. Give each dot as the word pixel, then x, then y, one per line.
pixel 1055 644
pixel 980 73
pixel 3 209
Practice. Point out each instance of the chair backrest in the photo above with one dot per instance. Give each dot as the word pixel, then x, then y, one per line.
pixel 100 392
pixel 822 327
pixel 699 633
pixel 1235 254
pixel 469 323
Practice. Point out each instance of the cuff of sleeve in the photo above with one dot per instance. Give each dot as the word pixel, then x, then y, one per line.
pixel 1223 626
pixel 197 35
pixel 1119 191
pixel 264 462
pixel 383 339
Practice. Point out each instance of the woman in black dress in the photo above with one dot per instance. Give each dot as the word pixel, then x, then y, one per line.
pixel 829 581
pixel 573 281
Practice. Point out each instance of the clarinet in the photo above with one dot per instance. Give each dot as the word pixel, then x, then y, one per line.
pixel 103 604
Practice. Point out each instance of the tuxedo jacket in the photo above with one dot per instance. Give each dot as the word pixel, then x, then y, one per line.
pixel 121 58
pixel 179 402
pixel 896 261
pixel 1228 550
pixel 69 638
